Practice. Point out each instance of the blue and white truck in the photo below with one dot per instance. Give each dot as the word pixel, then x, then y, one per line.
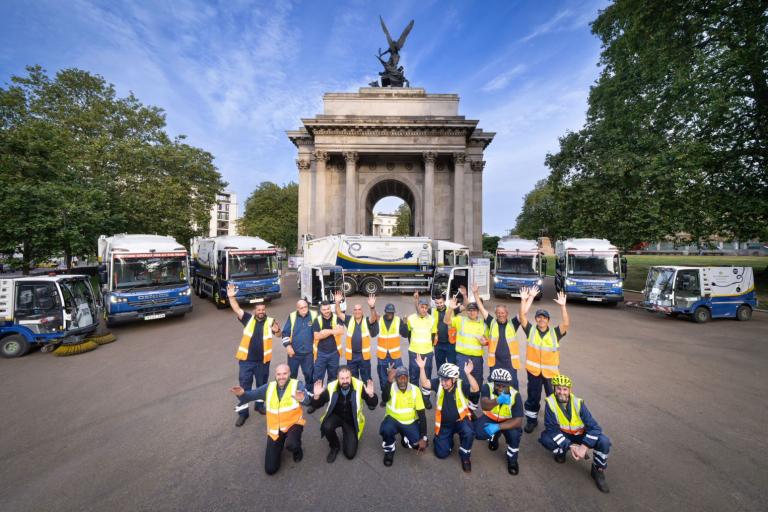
pixel 248 262
pixel 44 310
pixel 701 293
pixel 591 269
pixel 519 264
pixel 144 277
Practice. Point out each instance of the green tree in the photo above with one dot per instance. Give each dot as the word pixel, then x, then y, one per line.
pixel 539 214
pixel 271 213
pixel 403 226
pixel 490 243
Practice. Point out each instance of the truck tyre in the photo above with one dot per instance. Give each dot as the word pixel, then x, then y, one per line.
pixel 14 345
pixel 744 313
pixel 350 286
pixel 701 315
pixel 370 285
pixel 216 301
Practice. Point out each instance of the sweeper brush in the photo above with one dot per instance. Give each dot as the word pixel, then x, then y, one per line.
pixel 103 339
pixel 71 350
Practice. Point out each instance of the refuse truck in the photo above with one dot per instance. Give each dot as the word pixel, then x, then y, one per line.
pixel 701 293
pixel 373 264
pixel 591 269
pixel 45 310
pixel 519 264
pixel 144 277
pixel 248 262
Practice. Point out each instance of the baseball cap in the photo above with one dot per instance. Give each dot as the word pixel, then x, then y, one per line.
pixel 472 306
pixel 424 300
pixel 389 308
pixel 542 312
pixel 401 370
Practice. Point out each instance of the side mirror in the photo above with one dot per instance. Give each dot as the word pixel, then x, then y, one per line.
pixel 624 266
pixel 544 266
pixel 103 276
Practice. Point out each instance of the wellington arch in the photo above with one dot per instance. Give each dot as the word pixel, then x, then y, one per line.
pixel 400 142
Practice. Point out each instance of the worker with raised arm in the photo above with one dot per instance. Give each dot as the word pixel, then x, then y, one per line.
pixel 470 339
pixel 357 346
pixel 421 328
pixel 327 331
pixel 390 329
pixel 501 336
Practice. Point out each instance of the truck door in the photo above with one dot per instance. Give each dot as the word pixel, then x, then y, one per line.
pixel 459 277
pixel 687 288
pixel 305 283
pixel 480 275
pixel 39 307
pixel 317 286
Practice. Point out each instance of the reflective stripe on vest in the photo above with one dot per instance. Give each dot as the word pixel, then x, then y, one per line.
pixel 245 341
pixel 357 387
pixel 282 413
pixel 402 405
pixel 462 405
pixel 421 334
pixel 292 319
pixel 366 336
pixel 514 346
pixel 543 353
pixel 574 426
pixel 500 412
pixel 389 339
pixel 468 337
pixel 337 338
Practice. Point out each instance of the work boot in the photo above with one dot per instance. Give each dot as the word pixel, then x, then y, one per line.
pixel 598 475
pixel 311 409
pixel 560 457
pixel 512 467
pixel 332 454
pixel 466 465
pixel 240 421
pixel 298 455
pixel 261 410
pixel 382 404
pixel 403 443
pixel 493 443
pixel 427 402
pixel 389 457
pixel 530 426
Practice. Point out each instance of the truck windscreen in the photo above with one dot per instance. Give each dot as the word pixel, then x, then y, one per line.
pixel 593 265
pixel 252 265
pixel 524 265
pixel 131 272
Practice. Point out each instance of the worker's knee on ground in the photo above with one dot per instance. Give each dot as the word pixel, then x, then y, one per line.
pixel 387 428
pixel 293 445
pixel 546 441
pixel 513 436
pixel 350 452
pixel 271 468
pixel 326 428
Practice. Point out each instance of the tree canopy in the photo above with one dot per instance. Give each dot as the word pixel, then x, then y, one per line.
pixel 271 213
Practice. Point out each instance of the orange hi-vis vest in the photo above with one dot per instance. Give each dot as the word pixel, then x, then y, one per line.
pixel 462 405
pixel 282 413
pixel 364 333
pixel 245 341
pixel 543 353
pixel 514 347
pixel 451 329
pixel 389 339
pixel 337 338
pixel 501 412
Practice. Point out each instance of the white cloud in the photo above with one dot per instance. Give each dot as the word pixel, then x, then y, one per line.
pixel 554 23
pixel 502 80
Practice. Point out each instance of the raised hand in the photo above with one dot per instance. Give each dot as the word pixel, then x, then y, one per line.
pixel 420 361
pixel 391 370
pixel 524 293
pixel 468 366
pixel 452 303
pixel 463 291
pixel 533 291
pixel 237 391
pixel 231 290
pixel 372 300
pixel 275 328
pixel 318 388
pixel 475 290
pixel 369 387
pixel 338 296
pixel 299 395
pixel 561 299
pixel 416 296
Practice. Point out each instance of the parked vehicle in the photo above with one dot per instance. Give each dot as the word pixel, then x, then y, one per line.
pixel 250 263
pixel 519 264
pixel 44 310
pixel 318 283
pixel 701 292
pixel 144 277
pixel 590 269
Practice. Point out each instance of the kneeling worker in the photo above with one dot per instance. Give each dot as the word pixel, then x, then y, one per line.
pixel 503 410
pixel 452 417
pixel 405 404
pixel 344 396
pixel 569 426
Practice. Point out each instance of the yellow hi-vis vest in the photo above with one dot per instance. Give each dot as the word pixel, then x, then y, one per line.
pixel 337 338
pixel 292 319
pixel 421 334
pixel 364 333
pixel 500 412
pixel 493 336
pixel 282 413
pixel 245 341
pixel 468 337
pixel 357 389
pixel 573 426
pixel 543 353
pixel 462 405
pixel 402 405
pixel 389 339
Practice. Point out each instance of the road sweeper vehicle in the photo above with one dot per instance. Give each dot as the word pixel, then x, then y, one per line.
pixel 591 269
pixel 519 264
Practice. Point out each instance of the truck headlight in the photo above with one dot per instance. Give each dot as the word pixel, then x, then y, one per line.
pixel 620 284
pixel 186 293
pixel 539 282
pixel 114 299
pixel 570 282
pixel 496 280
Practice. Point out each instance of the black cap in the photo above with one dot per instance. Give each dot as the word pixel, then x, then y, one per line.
pixel 389 308
pixel 472 306
pixel 542 312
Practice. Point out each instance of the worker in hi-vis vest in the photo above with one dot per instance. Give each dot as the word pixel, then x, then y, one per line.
pixel 359 331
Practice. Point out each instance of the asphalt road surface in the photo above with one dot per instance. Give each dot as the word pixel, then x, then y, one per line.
pixel 147 423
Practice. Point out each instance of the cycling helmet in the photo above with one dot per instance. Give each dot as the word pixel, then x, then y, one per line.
pixel 561 380
pixel 448 371
pixel 501 376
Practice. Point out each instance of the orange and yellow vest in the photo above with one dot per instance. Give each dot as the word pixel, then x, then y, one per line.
pixel 245 341
pixel 337 338
pixel 500 412
pixel 573 426
pixel 492 333
pixel 389 339
pixel 282 413
pixel 462 405
pixel 543 353
pixel 364 333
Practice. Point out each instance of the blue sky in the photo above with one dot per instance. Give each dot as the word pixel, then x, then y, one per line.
pixel 234 75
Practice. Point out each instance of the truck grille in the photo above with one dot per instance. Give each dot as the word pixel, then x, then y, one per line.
pixel 595 288
pixel 256 289
pixel 146 303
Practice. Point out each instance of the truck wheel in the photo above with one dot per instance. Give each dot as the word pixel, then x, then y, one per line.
pixel 371 285
pixel 14 345
pixel 350 286
pixel 744 313
pixel 701 315
pixel 216 301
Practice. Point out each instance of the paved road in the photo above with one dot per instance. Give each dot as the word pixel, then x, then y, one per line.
pixel 146 423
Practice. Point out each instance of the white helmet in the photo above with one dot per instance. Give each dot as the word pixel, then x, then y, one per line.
pixel 448 371
pixel 501 376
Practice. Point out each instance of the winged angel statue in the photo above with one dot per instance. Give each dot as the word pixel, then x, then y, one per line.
pixel 393 75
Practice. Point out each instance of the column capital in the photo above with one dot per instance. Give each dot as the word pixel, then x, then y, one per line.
pixel 478 165
pixel 429 157
pixel 459 157
pixel 322 156
pixel 351 156
pixel 303 164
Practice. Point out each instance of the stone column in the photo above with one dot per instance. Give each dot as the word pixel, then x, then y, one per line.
pixel 429 194
pixel 459 161
pixel 475 240
pixel 350 215
pixel 305 178
pixel 320 212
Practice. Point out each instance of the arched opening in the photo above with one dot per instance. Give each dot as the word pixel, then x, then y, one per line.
pixel 389 195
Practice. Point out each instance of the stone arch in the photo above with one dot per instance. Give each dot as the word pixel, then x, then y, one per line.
pixel 389 186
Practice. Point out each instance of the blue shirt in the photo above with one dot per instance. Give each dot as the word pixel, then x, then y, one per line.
pixel 357 333
pixel 303 337
pixel 592 429
pixel 326 345
pixel 256 347
pixel 503 357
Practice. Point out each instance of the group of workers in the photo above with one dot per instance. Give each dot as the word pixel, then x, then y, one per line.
pixel 456 336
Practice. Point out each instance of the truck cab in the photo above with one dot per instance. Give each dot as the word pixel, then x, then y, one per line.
pixel 321 282
pixel 519 264
pixel 448 281
pixel 45 309
pixel 591 269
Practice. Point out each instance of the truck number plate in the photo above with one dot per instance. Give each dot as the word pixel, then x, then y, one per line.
pixel 594 299
pixel 155 316
pixel 253 300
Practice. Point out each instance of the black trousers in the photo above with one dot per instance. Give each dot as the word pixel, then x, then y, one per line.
pixel 290 440
pixel 348 434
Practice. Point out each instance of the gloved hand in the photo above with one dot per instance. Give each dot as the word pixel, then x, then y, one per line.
pixel 503 399
pixel 491 429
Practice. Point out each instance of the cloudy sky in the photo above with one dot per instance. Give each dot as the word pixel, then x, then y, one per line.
pixel 234 75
